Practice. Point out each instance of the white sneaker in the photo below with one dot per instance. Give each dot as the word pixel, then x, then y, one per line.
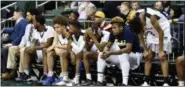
pixel 73 83
pixel 145 84
pixel 165 84
pixel 61 83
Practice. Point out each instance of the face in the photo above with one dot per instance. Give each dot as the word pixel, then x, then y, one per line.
pixel 97 20
pixel 116 29
pixel 72 17
pixel 123 8
pixel 135 6
pixel 72 29
pixel 29 17
pixel 59 28
pixel 158 5
pixel 36 25
pixel 16 15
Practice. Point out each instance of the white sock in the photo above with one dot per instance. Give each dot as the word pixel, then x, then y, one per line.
pixel 61 74
pixel 77 78
pixel 26 71
pixel 45 73
pixel 181 83
pixel 100 77
pixel 65 76
pixel 125 80
pixel 88 76
pixel 50 73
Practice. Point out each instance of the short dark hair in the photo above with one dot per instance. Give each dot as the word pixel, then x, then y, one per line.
pixel 60 20
pixel 40 19
pixel 33 11
pixel 76 13
pixel 19 10
pixel 76 24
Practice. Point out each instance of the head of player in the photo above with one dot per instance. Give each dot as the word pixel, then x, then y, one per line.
pixel 117 25
pixel 60 23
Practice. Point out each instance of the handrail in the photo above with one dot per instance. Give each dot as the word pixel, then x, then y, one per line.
pixel 6 20
pixel 42 3
pixel 8 5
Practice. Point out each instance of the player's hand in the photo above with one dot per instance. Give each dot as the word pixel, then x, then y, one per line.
pixel 18 48
pixel 105 54
pixel 30 49
pixel 50 48
pixel 57 46
pixel 162 55
pixel 8 45
pixel 145 53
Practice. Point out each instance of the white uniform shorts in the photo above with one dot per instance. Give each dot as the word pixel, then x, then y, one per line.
pixel 133 58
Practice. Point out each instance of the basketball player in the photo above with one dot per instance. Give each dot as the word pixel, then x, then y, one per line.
pixel 123 50
pixel 180 66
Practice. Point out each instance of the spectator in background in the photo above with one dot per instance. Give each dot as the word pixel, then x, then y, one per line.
pixel 135 5
pixel 125 10
pixel 86 10
pixel 159 6
pixel 16 34
pixel 74 16
pixel 110 8
pixel 167 8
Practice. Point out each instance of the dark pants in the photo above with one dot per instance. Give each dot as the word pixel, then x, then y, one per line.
pixel 4 55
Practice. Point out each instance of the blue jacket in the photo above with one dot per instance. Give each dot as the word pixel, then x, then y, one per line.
pixel 17 32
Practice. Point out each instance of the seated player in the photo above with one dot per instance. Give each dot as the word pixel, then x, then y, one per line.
pixel 180 66
pixel 123 50
pixel 158 39
pixel 38 47
pixel 58 48
pixel 75 53
pixel 95 40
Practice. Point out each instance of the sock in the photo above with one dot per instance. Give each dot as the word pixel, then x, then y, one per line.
pixel 125 80
pixel 88 76
pixel 61 75
pixel 147 78
pixel 181 83
pixel 65 76
pixel 100 77
pixel 45 73
pixel 50 73
pixel 77 78
pixel 26 71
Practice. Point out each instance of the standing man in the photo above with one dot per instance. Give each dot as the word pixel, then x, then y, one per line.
pixel 16 34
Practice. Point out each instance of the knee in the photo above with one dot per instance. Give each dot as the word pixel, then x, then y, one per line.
pixel 64 53
pixel 85 55
pixel 22 49
pixel 180 60
pixel 45 50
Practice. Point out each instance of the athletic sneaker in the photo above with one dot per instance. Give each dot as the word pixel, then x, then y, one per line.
pixel 145 84
pixel 43 78
pixel 62 83
pixel 100 84
pixel 24 77
pixel 57 80
pixel 49 80
pixel 73 83
pixel 87 83
pixel 165 84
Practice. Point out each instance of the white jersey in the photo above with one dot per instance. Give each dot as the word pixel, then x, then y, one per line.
pixel 163 22
pixel 43 36
pixel 77 44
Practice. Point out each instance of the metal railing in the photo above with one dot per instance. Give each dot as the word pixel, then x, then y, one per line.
pixel 42 4
pixel 10 5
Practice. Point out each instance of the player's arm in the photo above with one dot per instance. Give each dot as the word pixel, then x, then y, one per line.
pixel 142 41
pixel 156 25
pixel 107 47
pixel 88 43
pixel 127 49
pixel 46 44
